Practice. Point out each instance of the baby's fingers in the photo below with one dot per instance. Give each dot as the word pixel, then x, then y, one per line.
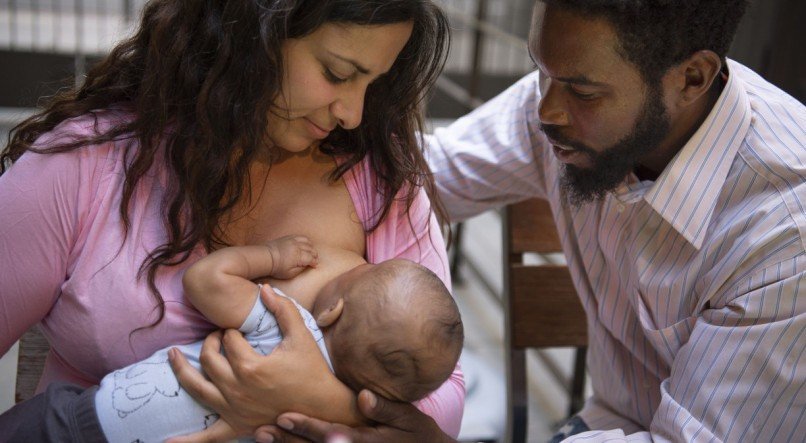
pixel 309 256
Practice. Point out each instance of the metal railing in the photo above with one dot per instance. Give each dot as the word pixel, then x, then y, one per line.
pixel 89 27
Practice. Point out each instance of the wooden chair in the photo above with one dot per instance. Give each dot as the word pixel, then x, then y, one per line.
pixel 541 308
pixel 33 350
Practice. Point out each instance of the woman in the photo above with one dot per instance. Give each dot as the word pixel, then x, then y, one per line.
pixel 219 123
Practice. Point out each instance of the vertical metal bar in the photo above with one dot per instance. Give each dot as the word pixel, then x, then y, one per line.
pixel 36 22
pixel 478 41
pixel 57 25
pixel 80 62
pixel 127 11
pixel 456 253
pixel 12 16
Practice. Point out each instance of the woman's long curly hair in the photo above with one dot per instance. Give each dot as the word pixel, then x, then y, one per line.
pixel 199 77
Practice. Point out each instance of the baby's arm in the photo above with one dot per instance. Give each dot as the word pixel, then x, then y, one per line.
pixel 220 285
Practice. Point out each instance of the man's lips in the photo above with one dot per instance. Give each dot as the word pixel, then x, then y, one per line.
pixel 565 153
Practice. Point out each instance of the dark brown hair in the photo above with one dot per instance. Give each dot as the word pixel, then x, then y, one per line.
pixel 199 77
pixel 657 34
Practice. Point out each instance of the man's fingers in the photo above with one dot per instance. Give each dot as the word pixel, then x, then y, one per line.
pixel 194 382
pixel 219 431
pixel 288 317
pixel 311 428
pixel 387 412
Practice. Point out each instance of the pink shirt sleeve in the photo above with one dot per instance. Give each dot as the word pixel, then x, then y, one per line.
pixel 415 235
pixel 39 213
pixel 64 262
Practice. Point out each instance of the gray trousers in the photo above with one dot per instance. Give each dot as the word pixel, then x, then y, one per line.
pixel 63 413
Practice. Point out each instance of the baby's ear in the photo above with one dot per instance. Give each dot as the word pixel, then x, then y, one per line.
pixel 330 315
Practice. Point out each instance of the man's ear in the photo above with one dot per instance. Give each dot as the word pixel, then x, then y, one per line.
pixel 330 315
pixel 694 76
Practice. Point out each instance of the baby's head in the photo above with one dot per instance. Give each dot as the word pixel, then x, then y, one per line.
pixel 392 328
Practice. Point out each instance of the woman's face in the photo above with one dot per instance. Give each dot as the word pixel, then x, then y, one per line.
pixel 326 76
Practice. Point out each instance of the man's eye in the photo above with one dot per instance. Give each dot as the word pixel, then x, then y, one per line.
pixel 333 78
pixel 582 95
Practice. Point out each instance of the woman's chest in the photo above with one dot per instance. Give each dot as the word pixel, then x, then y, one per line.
pixel 298 202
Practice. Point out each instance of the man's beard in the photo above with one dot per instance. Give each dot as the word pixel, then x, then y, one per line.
pixel 611 166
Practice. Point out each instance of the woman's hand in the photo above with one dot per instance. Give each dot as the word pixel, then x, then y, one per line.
pixel 394 421
pixel 249 390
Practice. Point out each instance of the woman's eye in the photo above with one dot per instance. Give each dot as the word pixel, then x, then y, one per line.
pixel 333 78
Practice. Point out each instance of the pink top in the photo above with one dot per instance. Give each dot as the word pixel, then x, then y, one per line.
pixel 63 261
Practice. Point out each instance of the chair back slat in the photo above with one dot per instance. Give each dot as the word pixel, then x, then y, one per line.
pixel 531 228
pixel 545 309
pixel 33 351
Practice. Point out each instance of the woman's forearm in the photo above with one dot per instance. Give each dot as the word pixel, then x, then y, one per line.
pixel 333 402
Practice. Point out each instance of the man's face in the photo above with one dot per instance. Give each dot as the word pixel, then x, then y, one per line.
pixel 596 109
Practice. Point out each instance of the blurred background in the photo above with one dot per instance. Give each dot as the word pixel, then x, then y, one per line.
pixel 49 44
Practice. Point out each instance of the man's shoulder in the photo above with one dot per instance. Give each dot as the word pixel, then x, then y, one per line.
pixel 775 144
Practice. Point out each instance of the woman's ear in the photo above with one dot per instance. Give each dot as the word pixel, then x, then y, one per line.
pixel 695 75
pixel 330 315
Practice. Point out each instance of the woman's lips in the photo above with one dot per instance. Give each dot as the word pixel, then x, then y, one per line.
pixel 316 131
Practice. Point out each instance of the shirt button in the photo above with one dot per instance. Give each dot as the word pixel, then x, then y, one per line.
pixel 620 207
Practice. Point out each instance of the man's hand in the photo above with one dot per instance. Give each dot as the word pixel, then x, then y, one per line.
pixel 290 255
pixel 394 421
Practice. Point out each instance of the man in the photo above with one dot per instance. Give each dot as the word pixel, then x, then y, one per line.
pixel 677 182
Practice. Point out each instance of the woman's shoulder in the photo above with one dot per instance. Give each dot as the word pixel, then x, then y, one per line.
pixel 85 126
pixel 366 191
pixel 81 129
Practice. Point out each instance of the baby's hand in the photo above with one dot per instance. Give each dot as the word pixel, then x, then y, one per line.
pixel 291 255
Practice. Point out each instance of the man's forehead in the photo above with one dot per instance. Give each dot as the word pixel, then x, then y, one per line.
pixel 568 45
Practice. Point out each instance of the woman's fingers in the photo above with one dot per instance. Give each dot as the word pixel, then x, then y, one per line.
pixel 194 382
pixel 218 432
pixel 288 317
pixel 214 364
pixel 241 357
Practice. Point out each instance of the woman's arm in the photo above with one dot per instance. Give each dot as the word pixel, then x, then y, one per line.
pixel 40 209
pixel 220 285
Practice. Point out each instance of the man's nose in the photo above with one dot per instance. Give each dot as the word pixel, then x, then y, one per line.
pixel 552 108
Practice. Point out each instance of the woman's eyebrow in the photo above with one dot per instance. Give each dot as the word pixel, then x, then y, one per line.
pixel 357 65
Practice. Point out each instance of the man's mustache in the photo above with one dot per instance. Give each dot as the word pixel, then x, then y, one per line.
pixel 553 132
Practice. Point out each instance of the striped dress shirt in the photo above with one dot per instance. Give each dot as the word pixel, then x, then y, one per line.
pixel 693 284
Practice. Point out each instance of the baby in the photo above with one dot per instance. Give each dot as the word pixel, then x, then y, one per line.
pixel 391 327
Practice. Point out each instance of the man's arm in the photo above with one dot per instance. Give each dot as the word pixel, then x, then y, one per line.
pixel 740 375
pixel 492 156
pixel 220 285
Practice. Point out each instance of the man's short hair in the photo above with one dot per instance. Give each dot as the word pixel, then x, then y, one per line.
pixel 655 35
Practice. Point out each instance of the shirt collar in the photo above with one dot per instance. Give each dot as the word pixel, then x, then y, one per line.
pixel 686 192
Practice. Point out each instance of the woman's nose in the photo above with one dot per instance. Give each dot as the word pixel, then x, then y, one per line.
pixel 349 107
pixel 551 110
